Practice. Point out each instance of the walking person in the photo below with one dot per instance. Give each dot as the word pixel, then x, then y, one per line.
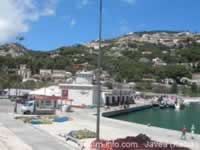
pixel 192 131
pixel 15 107
pixel 184 130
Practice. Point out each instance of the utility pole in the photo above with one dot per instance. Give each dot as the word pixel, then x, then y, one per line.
pixel 98 76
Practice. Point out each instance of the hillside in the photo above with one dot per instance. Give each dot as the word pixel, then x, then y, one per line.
pixel 13 50
pixel 133 57
pixel 167 38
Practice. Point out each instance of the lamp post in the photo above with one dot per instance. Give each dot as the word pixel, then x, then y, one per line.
pixel 98 76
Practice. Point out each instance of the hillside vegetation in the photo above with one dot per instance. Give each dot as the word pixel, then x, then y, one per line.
pixel 128 57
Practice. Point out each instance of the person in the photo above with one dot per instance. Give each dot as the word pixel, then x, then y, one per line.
pixel 192 131
pixel 15 107
pixel 183 136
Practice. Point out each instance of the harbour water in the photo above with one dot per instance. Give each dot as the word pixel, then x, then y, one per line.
pixel 167 118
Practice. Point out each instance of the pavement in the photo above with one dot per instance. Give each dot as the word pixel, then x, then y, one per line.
pixel 112 129
pixel 26 134
pixel 6 106
pixel 46 137
pixel 7 136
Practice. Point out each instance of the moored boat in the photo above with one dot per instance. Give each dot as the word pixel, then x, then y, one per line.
pixel 179 103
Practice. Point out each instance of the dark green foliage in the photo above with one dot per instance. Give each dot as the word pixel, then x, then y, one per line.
pixel 194 88
pixel 131 65
pixel 144 86
pixel 190 54
pixel 175 72
pixel 9 80
pixel 174 88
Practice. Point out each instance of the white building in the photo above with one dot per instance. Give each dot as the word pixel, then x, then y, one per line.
pixel 158 62
pixel 45 72
pixel 16 92
pixel 81 94
pixel 24 72
pixel 49 97
pixel 82 91
pixel 117 97
pixel 84 77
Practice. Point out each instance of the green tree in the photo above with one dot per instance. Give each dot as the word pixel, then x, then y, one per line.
pixel 194 88
pixel 174 88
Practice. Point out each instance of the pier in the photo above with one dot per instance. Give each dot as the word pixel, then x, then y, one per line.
pixel 132 108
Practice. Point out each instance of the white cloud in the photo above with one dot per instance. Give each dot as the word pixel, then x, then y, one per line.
pixel 83 3
pixel 49 8
pixel 16 15
pixel 72 22
pixel 131 2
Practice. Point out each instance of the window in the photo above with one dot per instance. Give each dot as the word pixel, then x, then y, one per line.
pixel 107 100
pixel 123 98
pixel 127 97
pixel 31 104
pixel 48 103
pixel 113 99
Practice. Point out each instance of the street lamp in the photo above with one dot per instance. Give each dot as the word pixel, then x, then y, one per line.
pixel 98 76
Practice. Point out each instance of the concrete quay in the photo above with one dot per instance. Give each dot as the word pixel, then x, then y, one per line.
pixel 112 129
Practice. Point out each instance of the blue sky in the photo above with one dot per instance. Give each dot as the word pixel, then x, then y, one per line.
pixel 65 22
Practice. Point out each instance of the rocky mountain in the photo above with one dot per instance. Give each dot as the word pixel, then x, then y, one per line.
pixel 134 41
pixel 130 57
pixel 167 38
pixel 13 50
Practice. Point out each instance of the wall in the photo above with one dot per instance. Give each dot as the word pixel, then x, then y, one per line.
pixel 81 96
pixel 124 111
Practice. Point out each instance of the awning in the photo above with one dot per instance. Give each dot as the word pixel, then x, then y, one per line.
pixel 48 91
pixel 55 98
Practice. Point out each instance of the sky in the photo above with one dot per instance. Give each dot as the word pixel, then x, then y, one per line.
pixel 50 24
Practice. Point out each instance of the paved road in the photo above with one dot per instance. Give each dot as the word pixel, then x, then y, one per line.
pixel 6 106
pixel 37 139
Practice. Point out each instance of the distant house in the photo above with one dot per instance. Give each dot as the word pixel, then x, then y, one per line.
pixel 158 62
pixel 60 75
pixel 105 76
pixel 56 75
pixel 146 53
pixel 45 72
pixel 24 72
pixel 196 76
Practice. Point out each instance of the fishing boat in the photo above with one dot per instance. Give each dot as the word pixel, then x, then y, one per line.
pixel 163 105
pixel 179 103
pixel 177 106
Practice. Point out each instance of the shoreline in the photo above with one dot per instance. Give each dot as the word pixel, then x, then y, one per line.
pixel 114 113
pixel 188 100
pixel 134 108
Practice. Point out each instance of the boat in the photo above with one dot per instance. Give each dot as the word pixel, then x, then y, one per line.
pixel 162 105
pixel 154 103
pixel 177 106
pixel 179 103
pixel 170 104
